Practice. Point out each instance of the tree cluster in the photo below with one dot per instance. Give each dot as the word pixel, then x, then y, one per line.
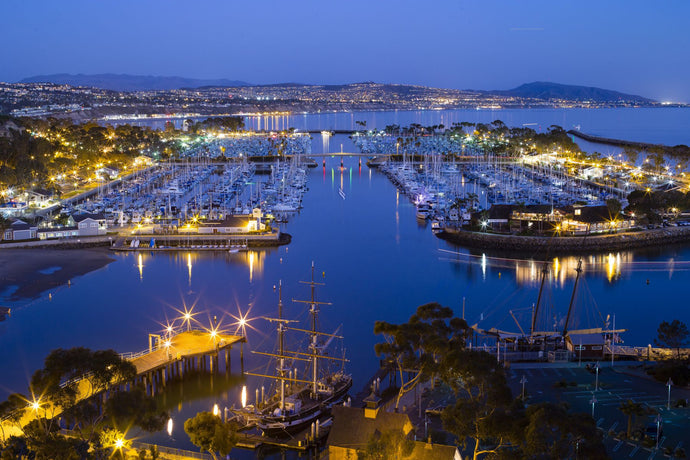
pixel 68 385
pixel 653 203
pixel 217 124
pixel 485 418
pixel 45 148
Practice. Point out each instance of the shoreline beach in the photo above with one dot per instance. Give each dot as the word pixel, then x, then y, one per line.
pixel 27 273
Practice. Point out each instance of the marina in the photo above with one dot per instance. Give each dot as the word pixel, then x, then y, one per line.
pixel 372 201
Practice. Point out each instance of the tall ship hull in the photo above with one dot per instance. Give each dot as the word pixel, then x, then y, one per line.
pixel 311 410
pixel 297 403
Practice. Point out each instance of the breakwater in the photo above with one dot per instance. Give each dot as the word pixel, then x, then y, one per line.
pixel 678 149
pixel 567 244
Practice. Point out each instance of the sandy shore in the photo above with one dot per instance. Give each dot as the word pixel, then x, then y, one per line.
pixel 34 271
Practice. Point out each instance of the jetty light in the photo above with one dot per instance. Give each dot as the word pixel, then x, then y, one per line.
pixel 242 322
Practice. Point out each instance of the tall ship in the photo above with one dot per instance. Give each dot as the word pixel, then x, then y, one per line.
pixel 298 402
pixel 557 339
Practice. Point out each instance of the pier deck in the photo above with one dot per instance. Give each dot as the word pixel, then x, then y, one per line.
pixel 183 345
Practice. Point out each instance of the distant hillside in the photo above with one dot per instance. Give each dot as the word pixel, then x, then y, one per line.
pixel 547 90
pixel 125 82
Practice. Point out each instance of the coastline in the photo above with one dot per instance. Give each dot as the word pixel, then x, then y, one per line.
pixel 567 245
pixel 27 273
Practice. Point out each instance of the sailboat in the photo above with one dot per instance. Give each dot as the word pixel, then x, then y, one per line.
pixel 298 402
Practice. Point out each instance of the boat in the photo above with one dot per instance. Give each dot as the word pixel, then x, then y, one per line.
pixel 296 402
pixel 423 211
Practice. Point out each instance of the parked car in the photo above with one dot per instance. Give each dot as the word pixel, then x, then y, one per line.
pixel 651 430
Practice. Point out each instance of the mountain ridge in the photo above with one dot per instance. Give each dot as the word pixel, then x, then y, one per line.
pixel 131 83
pixel 549 90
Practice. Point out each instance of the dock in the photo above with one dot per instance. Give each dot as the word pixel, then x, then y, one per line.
pixel 170 357
pixel 198 242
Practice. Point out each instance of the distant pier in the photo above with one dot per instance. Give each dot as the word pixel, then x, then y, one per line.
pixel 199 242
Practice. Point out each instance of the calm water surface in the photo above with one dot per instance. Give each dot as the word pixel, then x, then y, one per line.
pixel 663 125
pixel 377 262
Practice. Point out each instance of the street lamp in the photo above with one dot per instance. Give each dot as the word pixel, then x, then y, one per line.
pixel 668 401
pixel 523 380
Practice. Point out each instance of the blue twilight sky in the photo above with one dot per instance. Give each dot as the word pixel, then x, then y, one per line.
pixel 636 46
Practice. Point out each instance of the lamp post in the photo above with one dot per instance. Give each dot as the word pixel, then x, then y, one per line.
pixel 669 384
pixel 523 380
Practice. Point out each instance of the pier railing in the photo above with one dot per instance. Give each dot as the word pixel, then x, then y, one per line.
pixel 171 452
pixel 137 354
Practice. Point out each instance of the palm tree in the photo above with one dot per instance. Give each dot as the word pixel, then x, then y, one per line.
pixel 631 409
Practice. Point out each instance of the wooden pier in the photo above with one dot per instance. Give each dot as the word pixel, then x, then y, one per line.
pixel 171 357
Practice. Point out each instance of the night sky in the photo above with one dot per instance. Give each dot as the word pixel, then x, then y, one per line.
pixel 636 46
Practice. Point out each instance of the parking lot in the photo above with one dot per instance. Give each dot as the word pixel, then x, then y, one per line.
pixel 616 385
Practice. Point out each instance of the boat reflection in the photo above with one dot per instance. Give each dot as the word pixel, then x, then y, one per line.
pixel 254 260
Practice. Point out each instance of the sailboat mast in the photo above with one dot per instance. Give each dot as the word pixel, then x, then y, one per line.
pixel 536 309
pixel 572 297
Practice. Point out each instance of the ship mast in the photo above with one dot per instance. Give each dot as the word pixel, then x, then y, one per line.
pixel 313 346
pixel 281 348
pixel 536 309
pixel 572 297
pixel 281 352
